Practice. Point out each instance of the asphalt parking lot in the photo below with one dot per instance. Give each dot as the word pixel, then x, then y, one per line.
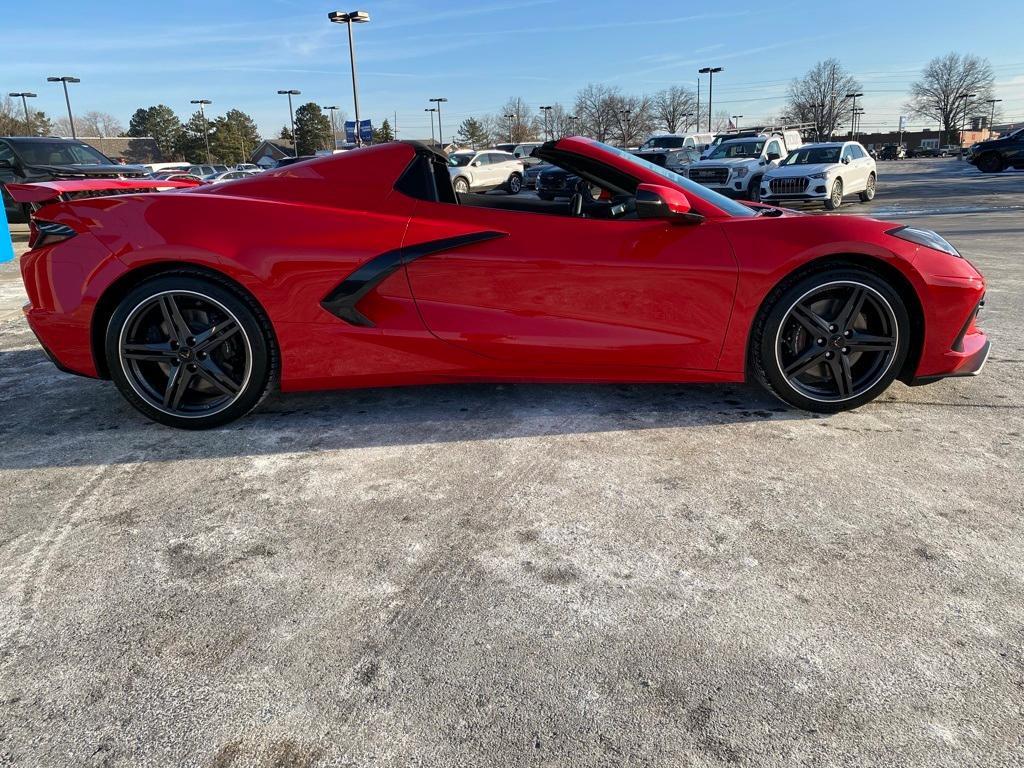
pixel 527 575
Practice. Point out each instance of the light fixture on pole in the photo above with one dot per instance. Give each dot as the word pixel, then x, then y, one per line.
pixel 547 131
pixel 573 124
pixel 29 128
pixel 736 122
pixel 510 118
pixel 431 110
pixel 963 124
pixel 67 99
pixel 991 115
pixel 625 126
pixel 853 113
pixel 440 132
pixel 291 115
pixel 350 18
pixel 334 127
pixel 206 132
pixel 710 72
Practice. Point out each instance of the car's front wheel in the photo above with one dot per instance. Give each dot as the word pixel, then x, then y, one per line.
pixel 835 199
pixel 832 340
pixel 190 352
pixel 869 190
pixel 990 162
pixel 515 184
pixel 754 191
pixel 461 186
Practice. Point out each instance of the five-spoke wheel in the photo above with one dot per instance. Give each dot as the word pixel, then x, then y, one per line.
pixel 188 352
pixel 833 340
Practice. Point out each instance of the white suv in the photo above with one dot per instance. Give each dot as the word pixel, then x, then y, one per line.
pixel 822 173
pixel 735 167
pixel 485 170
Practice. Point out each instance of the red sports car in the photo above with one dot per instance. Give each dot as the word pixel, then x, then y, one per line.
pixel 366 269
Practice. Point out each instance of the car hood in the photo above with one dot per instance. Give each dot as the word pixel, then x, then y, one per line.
pixel 728 162
pixel 72 170
pixel 805 169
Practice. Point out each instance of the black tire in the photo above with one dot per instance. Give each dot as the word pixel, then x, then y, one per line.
pixel 189 351
pixel 545 196
pixel 835 199
pixel 991 162
pixel 846 371
pixel 461 185
pixel 869 193
pixel 515 184
pixel 754 190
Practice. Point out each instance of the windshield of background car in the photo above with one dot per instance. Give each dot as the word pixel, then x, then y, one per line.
pixel 60 153
pixel 737 149
pixel 458 161
pixel 664 142
pixel 721 202
pixel 813 156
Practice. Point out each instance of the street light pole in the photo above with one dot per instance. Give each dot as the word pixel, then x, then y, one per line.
pixel 29 128
pixel 736 122
pixel 963 123
pixel 710 72
pixel 440 132
pixel 334 127
pixel 625 126
pixel 67 99
pixel 510 118
pixel 431 110
pixel 291 114
pixel 350 18
pixel 573 124
pixel 853 114
pixel 991 115
pixel 547 130
pixel 206 130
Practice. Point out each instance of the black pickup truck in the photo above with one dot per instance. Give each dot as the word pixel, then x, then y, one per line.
pixel 995 155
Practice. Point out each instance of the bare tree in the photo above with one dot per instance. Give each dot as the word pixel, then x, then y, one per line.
pixel 634 118
pixel 99 124
pixel 951 89
pixel 596 109
pixel 819 97
pixel 522 126
pixel 675 108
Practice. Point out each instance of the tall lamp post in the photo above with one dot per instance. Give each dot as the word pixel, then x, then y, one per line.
pixel 334 127
pixel 206 132
pixel 736 122
pixel 625 126
pixel 547 113
pixel 431 110
pixel 291 114
pixel 853 113
pixel 710 72
pixel 991 115
pixel 573 124
pixel 29 128
pixel 963 123
pixel 350 18
pixel 67 99
pixel 440 133
pixel 510 118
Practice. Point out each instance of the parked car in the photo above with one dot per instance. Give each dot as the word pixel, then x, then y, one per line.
pixel 286 161
pixel 252 167
pixel 532 172
pixel 177 176
pixel 555 182
pixel 822 173
pixel 951 150
pixel 25 159
pixel 523 151
pixel 893 152
pixel 505 147
pixel 486 170
pixel 195 325
pixel 217 178
pixel 995 155
pixel 672 150
pixel 202 171
pixel 924 152
pixel 735 167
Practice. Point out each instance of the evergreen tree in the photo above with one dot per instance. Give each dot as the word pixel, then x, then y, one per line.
pixel 384 133
pixel 190 144
pixel 473 133
pixel 285 133
pixel 162 124
pixel 313 128
pixel 233 137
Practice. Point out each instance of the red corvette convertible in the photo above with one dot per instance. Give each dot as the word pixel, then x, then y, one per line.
pixel 366 269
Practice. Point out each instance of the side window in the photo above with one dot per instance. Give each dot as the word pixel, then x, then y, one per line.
pixel 6 154
pixel 499 158
pixel 856 152
pixel 848 152
pixel 775 147
pixel 482 158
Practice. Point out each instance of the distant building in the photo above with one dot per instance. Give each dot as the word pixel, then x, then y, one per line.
pixel 928 137
pixel 270 151
pixel 129 149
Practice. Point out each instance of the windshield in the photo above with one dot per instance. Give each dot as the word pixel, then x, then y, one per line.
pixel 664 142
pixel 721 202
pixel 459 161
pixel 813 156
pixel 737 149
pixel 60 153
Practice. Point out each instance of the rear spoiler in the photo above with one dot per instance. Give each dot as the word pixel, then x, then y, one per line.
pixel 73 189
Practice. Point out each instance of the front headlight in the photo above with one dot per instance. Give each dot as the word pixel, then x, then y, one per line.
pixel 739 173
pixel 924 237
pixel 822 175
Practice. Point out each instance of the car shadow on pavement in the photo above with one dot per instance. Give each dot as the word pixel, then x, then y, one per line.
pixel 56 419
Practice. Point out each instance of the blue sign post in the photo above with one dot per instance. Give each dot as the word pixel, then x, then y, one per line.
pixel 6 244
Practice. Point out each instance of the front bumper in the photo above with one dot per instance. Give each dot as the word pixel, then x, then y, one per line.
pixel 967 363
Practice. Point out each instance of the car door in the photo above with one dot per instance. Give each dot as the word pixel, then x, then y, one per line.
pixel 502 165
pixel 556 294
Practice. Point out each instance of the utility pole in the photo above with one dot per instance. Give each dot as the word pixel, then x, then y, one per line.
pixel 853 114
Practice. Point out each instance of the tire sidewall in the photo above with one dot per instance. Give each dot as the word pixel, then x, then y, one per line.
pixel 262 360
pixel 764 341
pixel 831 204
pixel 461 186
pixel 515 184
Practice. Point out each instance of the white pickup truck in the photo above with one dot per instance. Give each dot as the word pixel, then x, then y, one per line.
pixel 674 151
pixel 735 167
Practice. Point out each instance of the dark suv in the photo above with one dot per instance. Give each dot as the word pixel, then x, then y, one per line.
pixel 994 155
pixel 24 160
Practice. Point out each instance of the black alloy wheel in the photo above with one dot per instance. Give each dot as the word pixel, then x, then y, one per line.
pixel 189 353
pixel 833 341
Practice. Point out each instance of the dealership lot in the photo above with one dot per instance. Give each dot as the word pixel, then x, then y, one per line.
pixel 543 575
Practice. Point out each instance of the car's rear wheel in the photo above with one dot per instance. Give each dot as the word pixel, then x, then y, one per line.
pixel 835 199
pixel 190 352
pixel 461 186
pixel 515 184
pixel 832 340
pixel 754 191
pixel 869 191
pixel 990 162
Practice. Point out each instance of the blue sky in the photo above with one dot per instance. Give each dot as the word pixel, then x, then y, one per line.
pixel 477 54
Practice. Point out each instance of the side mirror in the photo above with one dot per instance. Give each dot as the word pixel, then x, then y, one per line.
pixel 476 163
pixel 654 201
pixel 773 156
pixel 845 161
